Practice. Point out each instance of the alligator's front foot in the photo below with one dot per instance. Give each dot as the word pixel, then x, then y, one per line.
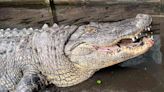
pixel 31 83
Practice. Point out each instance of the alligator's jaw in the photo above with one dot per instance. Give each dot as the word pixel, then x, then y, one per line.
pixel 131 43
pixel 104 56
pixel 129 47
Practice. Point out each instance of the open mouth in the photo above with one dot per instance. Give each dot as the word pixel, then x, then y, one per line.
pixel 137 41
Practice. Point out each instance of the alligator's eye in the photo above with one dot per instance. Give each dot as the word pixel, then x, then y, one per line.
pixel 90 29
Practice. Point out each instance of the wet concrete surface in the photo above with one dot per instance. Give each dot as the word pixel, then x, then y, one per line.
pixel 116 79
pixel 142 74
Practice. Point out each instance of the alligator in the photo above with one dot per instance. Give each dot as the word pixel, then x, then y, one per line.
pixel 66 55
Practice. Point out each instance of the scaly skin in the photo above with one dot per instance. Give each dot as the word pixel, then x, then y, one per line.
pixel 66 55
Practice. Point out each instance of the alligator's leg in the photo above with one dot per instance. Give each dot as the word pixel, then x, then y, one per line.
pixel 32 81
pixel 9 79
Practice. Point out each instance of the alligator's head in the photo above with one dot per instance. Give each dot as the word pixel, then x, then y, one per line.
pixel 99 45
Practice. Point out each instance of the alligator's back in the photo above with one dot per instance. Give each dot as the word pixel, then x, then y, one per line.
pixel 10 41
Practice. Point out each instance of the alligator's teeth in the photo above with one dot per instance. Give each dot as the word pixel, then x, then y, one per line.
pixel 133 39
pixel 136 37
pixel 148 28
pixel 44 26
pixel 152 37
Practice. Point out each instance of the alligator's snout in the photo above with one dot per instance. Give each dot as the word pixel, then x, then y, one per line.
pixel 136 40
pixel 144 20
